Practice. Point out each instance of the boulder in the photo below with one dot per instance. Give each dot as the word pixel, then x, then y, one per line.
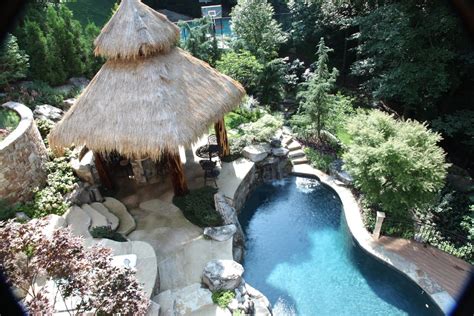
pixel 54 222
pixel 98 220
pixel 261 304
pixel 79 221
pixel 229 215
pixel 68 103
pixel 83 168
pixel 112 220
pixel 256 152
pixel 220 233
pixel 335 169
pixel 275 143
pixel 280 152
pixel 126 221
pixel 222 275
pixel 79 195
pixel 48 112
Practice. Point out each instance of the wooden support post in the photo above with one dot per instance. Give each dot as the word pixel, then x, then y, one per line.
pixel 378 225
pixel 177 174
pixel 222 140
pixel 102 171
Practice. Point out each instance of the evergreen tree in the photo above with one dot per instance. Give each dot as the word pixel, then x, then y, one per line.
pixel 257 30
pixel 317 104
pixel 198 42
pixel 13 61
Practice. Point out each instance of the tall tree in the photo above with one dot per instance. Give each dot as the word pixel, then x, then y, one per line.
pixel 257 30
pixel 412 53
pixel 13 61
pixel 317 103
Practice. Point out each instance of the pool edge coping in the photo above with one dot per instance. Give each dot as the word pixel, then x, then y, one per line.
pixel 365 240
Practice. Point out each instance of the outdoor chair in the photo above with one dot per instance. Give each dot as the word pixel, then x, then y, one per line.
pixel 210 171
pixel 213 148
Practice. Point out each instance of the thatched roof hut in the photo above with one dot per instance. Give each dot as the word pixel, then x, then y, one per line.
pixel 149 97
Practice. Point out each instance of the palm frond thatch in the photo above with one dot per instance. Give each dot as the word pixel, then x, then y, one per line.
pixel 136 30
pixel 146 106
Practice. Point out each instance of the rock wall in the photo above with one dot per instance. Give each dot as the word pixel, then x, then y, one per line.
pixel 22 158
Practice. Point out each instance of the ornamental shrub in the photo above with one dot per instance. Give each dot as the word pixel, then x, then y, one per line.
pixel 198 207
pixel 107 232
pixel 223 298
pixel 71 271
pixel 319 160
pixel 397 165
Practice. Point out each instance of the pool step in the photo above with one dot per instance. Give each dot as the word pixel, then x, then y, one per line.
pixel 294 145
pixel 299 161
pixel 296 154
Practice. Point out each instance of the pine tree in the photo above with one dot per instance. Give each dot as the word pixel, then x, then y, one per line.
pixel 316 101
pixel 36 46
pixel 13 61
pixel 254 25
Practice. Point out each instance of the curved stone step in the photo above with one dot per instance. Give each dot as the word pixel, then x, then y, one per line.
pixel 98 219
pixel 294 145
pixel 111 218
pixel 299 161
pixel 296 154
pixel 126 221
pixel 78 221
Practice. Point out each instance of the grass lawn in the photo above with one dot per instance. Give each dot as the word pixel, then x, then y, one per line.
pixel 97 11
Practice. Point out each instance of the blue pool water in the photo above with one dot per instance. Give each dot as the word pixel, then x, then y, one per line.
pixel 300 254
pixel 222 27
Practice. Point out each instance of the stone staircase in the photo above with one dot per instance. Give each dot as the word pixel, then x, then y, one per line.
pixel 110 213
pixel 296 155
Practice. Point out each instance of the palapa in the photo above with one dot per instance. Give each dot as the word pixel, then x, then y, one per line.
pixel 150 97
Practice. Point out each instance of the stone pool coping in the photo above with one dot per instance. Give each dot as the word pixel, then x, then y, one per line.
pixel 26 119
pixel 356 226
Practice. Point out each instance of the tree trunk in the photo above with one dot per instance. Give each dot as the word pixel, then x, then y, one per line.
pixel 102 171
pixel 177 174
pixel 318 122
pixel 222 140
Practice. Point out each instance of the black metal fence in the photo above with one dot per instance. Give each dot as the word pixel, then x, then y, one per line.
pixel 431 234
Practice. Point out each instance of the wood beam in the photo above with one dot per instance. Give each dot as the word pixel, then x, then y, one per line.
pixel 177 174
pixel 102 171
pixel 222 140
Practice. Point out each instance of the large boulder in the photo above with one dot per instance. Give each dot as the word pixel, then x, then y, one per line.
pixel 220 233
pixel 222 275
pixel 335 169
pixel 68 103
pixel 229 216
pixel 48 112
pixel 280 152
pixel 256 152
pixel 79 221
pixel 83 168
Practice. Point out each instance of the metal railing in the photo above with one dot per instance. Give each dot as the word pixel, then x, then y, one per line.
pixel 428 233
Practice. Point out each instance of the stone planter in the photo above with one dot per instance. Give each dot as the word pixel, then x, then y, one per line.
pixel 22 158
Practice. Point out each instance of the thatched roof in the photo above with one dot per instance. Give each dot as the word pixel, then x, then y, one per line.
pixel 136 30
pixel 146 106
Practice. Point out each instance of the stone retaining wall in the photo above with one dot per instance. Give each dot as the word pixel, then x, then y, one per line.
pixel 22 158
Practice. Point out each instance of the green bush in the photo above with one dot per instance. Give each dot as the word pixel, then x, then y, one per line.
pixel 44 127
pixel 223 298
pixel 50 199
pixel 262 130
pixel 242 67
pixel 198 207
pixel 7 211
pixel 107 232
pixel 318 160
pixel 397 165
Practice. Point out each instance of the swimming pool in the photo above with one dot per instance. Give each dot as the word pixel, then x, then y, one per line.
pixel 301 255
